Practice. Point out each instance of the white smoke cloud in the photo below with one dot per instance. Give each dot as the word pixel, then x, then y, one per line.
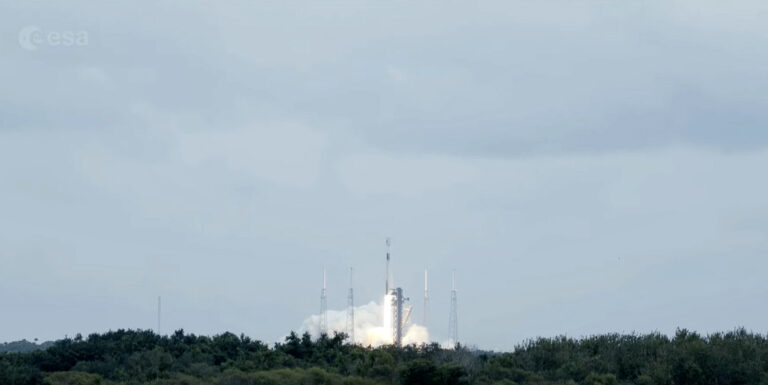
pixel 369 326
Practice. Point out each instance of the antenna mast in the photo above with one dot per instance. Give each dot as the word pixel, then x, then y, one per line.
pixel 453 324
pixel 426 299
pixel 386 287
pixel 158 314
pixel 351 309
pixel 323 308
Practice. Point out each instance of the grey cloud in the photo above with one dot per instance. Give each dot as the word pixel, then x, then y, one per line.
pixel 498 81
pixel 560 156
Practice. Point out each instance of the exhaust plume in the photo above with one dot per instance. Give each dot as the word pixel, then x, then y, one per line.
pixel 373 325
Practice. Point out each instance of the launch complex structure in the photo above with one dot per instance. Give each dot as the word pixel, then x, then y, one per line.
pixel 394 304
pixel 396 313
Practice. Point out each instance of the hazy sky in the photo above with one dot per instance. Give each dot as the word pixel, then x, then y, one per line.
pixel 585 167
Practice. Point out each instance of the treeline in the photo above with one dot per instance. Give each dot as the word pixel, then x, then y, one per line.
pixel 23 346
pixel 126 357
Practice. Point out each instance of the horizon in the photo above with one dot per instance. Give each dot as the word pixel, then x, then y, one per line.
pixel 84 337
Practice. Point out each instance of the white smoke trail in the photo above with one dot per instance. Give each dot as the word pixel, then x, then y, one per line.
pixel 370 326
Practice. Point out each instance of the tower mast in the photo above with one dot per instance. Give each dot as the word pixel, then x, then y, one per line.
pixel 399 321
pixel 386 287
pixel 323 308
pixel 453 324
pixel 426 300
pixel 158 314
pixel 351 309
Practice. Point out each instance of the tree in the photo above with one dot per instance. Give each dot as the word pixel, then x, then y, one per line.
pixel 72 378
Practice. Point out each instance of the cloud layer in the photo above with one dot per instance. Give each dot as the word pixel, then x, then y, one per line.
pixel 584 167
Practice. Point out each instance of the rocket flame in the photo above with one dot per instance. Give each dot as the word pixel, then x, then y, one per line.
pixel 373 325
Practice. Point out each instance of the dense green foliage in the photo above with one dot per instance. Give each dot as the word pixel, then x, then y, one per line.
pixel 141 357
pixel 23 346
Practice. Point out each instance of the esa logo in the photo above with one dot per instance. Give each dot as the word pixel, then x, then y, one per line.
pixel 31 38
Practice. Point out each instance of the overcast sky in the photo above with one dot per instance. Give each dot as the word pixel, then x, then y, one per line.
pixel 585 167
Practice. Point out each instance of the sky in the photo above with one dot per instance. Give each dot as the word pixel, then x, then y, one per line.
pixel 584 166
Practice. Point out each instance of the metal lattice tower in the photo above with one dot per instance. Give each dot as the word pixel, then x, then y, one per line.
pixel 386 287
pixel 323 308
pixel 426 300
pixel 351 309
pixel 400 316
pixel 453 322
pixel 158 315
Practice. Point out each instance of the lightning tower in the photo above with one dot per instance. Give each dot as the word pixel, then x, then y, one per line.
pixel 453 322
pixel 426 300
pixel 158 315
pixel 323 308
pixel 386 287
pixel 351 309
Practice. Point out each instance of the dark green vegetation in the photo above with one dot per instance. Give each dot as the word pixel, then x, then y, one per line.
pixel 23 346
pixel 141 357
